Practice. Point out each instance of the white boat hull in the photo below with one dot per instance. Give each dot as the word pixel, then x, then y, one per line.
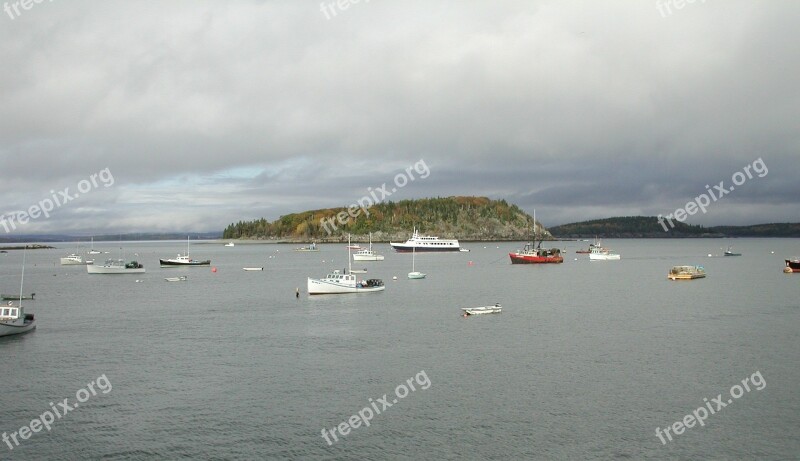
pixel 8 329
pixel 416 275
pixel 482 310
pixel 73 262
pixel 602 257
pixel 92 269
pixel 358 257
pixel 320 287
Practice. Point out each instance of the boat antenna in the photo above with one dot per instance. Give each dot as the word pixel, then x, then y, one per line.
pixel 349 263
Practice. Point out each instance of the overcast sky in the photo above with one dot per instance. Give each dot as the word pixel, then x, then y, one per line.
pixel 206 113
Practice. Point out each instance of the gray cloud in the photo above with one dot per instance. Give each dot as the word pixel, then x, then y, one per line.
pixel 211 112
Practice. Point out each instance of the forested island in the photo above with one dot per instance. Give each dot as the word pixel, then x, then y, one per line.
pixel 651 227
pixel 464 218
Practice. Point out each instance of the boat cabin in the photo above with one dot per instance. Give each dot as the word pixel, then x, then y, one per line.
pixel 9 312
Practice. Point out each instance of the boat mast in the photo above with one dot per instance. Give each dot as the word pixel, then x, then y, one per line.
pixel 22 278
pixel 349 262
pixel 187 246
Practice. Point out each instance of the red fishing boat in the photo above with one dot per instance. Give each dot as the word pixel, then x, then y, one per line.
pixel 533 254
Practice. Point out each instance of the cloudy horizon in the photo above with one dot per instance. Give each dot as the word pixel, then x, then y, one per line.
pixel 207 113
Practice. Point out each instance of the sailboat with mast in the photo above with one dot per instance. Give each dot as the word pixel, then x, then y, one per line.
pixel 535 254
pixel 13 319
pixel 366 254
pixel 344 281
pixel 415 274
pixel 92 251
pixel 184 260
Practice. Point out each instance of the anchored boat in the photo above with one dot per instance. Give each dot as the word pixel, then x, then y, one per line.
pixel 184 260
pixel 419 242
pixel 496 309
pixel 13 319
pixel 686 273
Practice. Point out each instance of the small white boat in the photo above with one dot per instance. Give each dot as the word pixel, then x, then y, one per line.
pixel 229 244
pixel 496 309
pixel 181 278
pixel 13 319
pixel 116 267
pixel 75 260
pixel 598 253
pixel 343 282
pixel 252 268
pixel 92 251
pixel 415 274
pixel 366 254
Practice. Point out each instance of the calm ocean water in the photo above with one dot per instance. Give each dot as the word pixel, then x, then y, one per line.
pixel 585 361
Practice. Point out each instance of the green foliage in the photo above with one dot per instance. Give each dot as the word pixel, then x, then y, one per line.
pixel 462 217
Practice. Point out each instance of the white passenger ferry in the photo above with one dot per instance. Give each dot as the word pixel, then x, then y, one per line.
pixel 420 243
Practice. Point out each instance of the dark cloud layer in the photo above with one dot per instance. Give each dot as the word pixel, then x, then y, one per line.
pixel 211 112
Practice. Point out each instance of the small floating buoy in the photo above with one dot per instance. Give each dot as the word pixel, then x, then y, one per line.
pixel 709 255
pixel 576 259
pixel 214 269
pixel 297 293
pixel 394 278
pixel 772 252
pixel 470 263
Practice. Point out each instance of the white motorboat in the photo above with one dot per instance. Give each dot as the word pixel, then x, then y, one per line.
pixel 343 282
pixel 118 266
pixel 599 253
pixel 75 260
pixel 13 319
pixel 425 243
pixel 252 269
pixel 496 309
pixel 181 278
pixel 367 254
pixel 184 260
pixel 229 244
